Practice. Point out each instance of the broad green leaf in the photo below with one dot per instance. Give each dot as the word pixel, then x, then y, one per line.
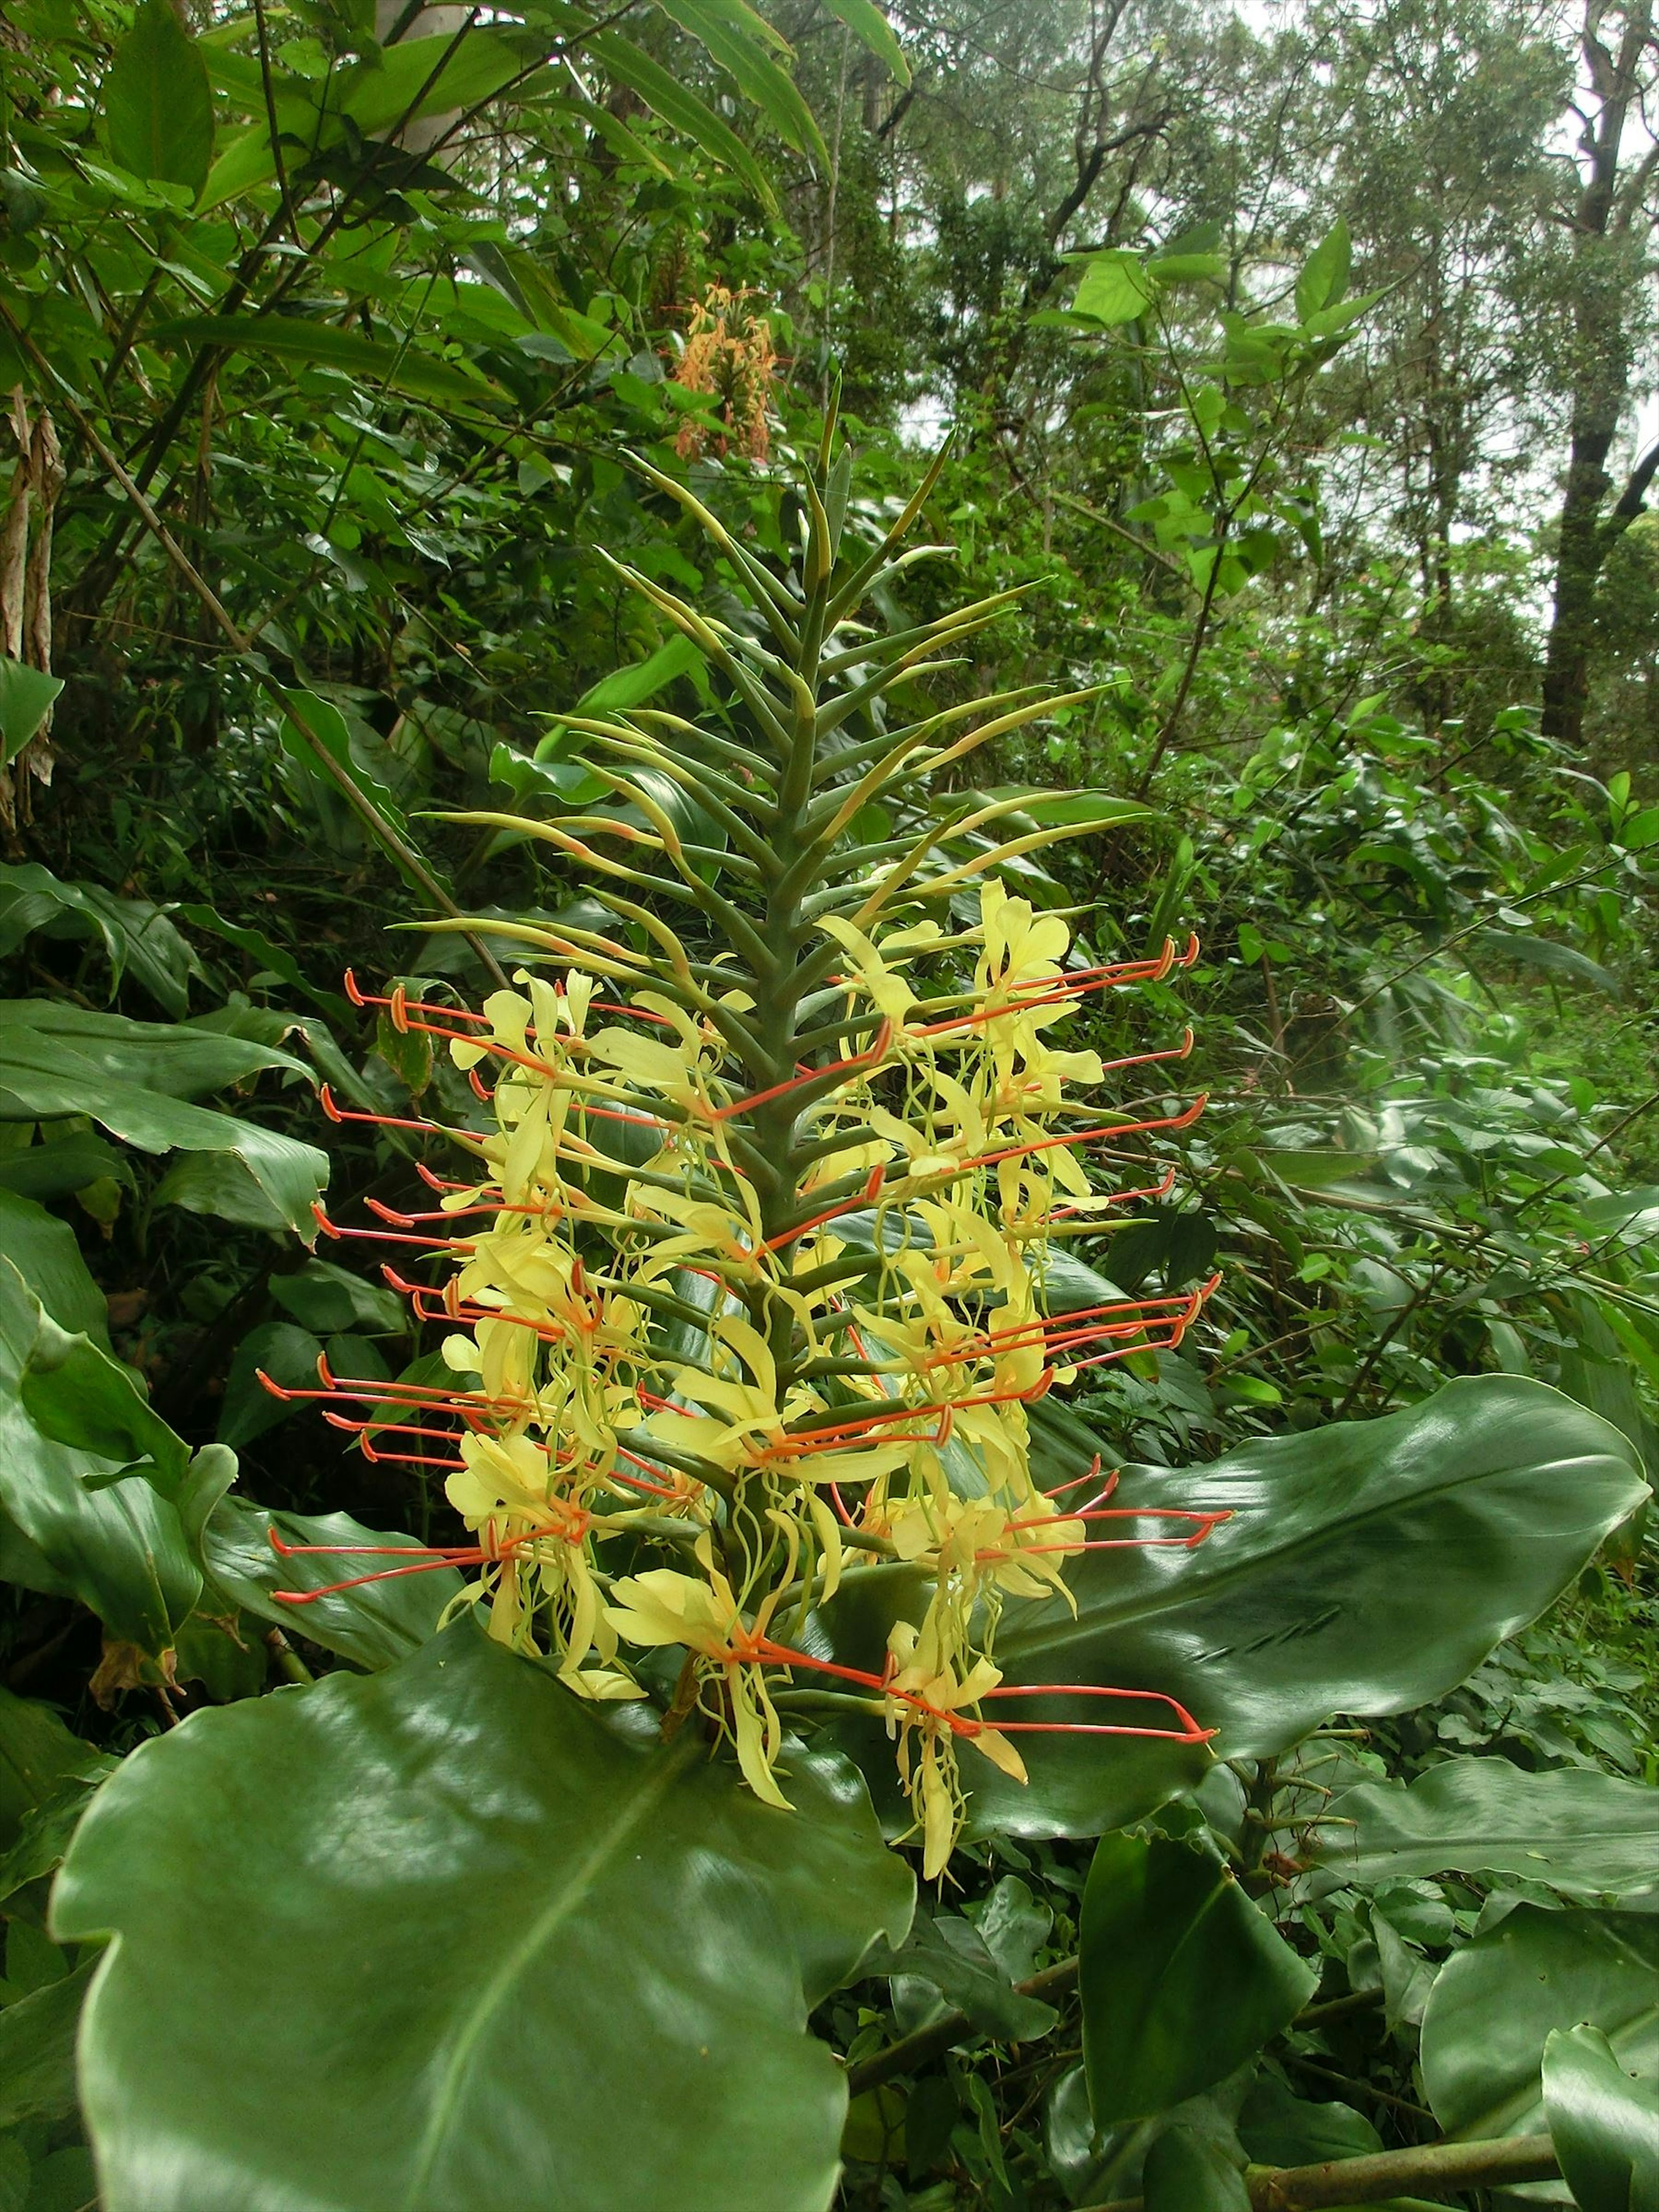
pixel 374 1626
pixel 950 1955
pixel 382 361
pixel 219 1184
pixel 1278 2128
pixel 37 2050
pixel 61 1166
pixel 681 108
pixel 25 696
pixel 44 1251
pixel 1605 2123
pixel 37 1753
pixel 330 1299
pixel 1324 276
pixel 1585 1832
pixel 270 957
pixel 489 1906
pixel 79 1395
pixel 1115 289
pixel 1185 2172
pixel 138 937
pixel 123 1550
pixel 1484 1501
pixel 104 1072
pixel 1496 2003
pixel 158 107
pixel 397 86
pixel 1182 1978
pixel 1554 959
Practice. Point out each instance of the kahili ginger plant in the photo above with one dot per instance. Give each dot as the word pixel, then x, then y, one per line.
pixel 747 1287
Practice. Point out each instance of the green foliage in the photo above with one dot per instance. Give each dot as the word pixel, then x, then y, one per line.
pixel 1254 449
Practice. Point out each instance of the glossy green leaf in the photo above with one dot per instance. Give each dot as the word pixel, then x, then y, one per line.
pixel 44 1251
pixel 122 1548
pixel 374 1627
pixel 158 108
pixel 951 1956
pixel 138 937
pixel 62 1166
pixel 381 360
pixel 102 1067
pixel 26 695
pixel 1182 1978
pixel 1605 2123
pixel 1185 2172
pixel 1588 1833
pixel 182 1059
pixel 1496 2003
pixel 486 1907
pixel 76 1393
pixel 1485 1500
pixel 37 1753
pixel 681 108
pixel 37 2050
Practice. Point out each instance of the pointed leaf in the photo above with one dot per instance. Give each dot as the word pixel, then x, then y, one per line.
pixel 1484 1501
pixel 1182 1978
pixel 1495 2004
pixel 1605 2123
pixel 1579 1829
pixel 158 107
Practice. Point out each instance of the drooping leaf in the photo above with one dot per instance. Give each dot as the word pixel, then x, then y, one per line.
pixel 44 1251
pixel 683 109
pixel 489 1907
pixel 37 1753
pixel 866 22
pixel 1182 1978
pixel 158 107
pixel 60 1167
pixel 1604 2121
pixel 138 937
pixel 1588 1833
pixel 104 1067
pixel 740 41
pixel 1496 2003
pixel 37 2050
pixel 123 1547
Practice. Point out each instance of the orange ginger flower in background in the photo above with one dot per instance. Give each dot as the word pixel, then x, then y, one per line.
pixel 729 355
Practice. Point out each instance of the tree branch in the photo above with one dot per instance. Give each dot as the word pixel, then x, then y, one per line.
pixel 1434 2168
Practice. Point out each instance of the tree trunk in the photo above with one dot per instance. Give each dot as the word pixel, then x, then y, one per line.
pixel 1602 363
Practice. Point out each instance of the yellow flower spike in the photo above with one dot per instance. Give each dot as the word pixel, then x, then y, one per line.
pixel 656 1274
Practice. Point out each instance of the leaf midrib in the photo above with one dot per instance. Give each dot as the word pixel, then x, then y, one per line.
pixel 658 1775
